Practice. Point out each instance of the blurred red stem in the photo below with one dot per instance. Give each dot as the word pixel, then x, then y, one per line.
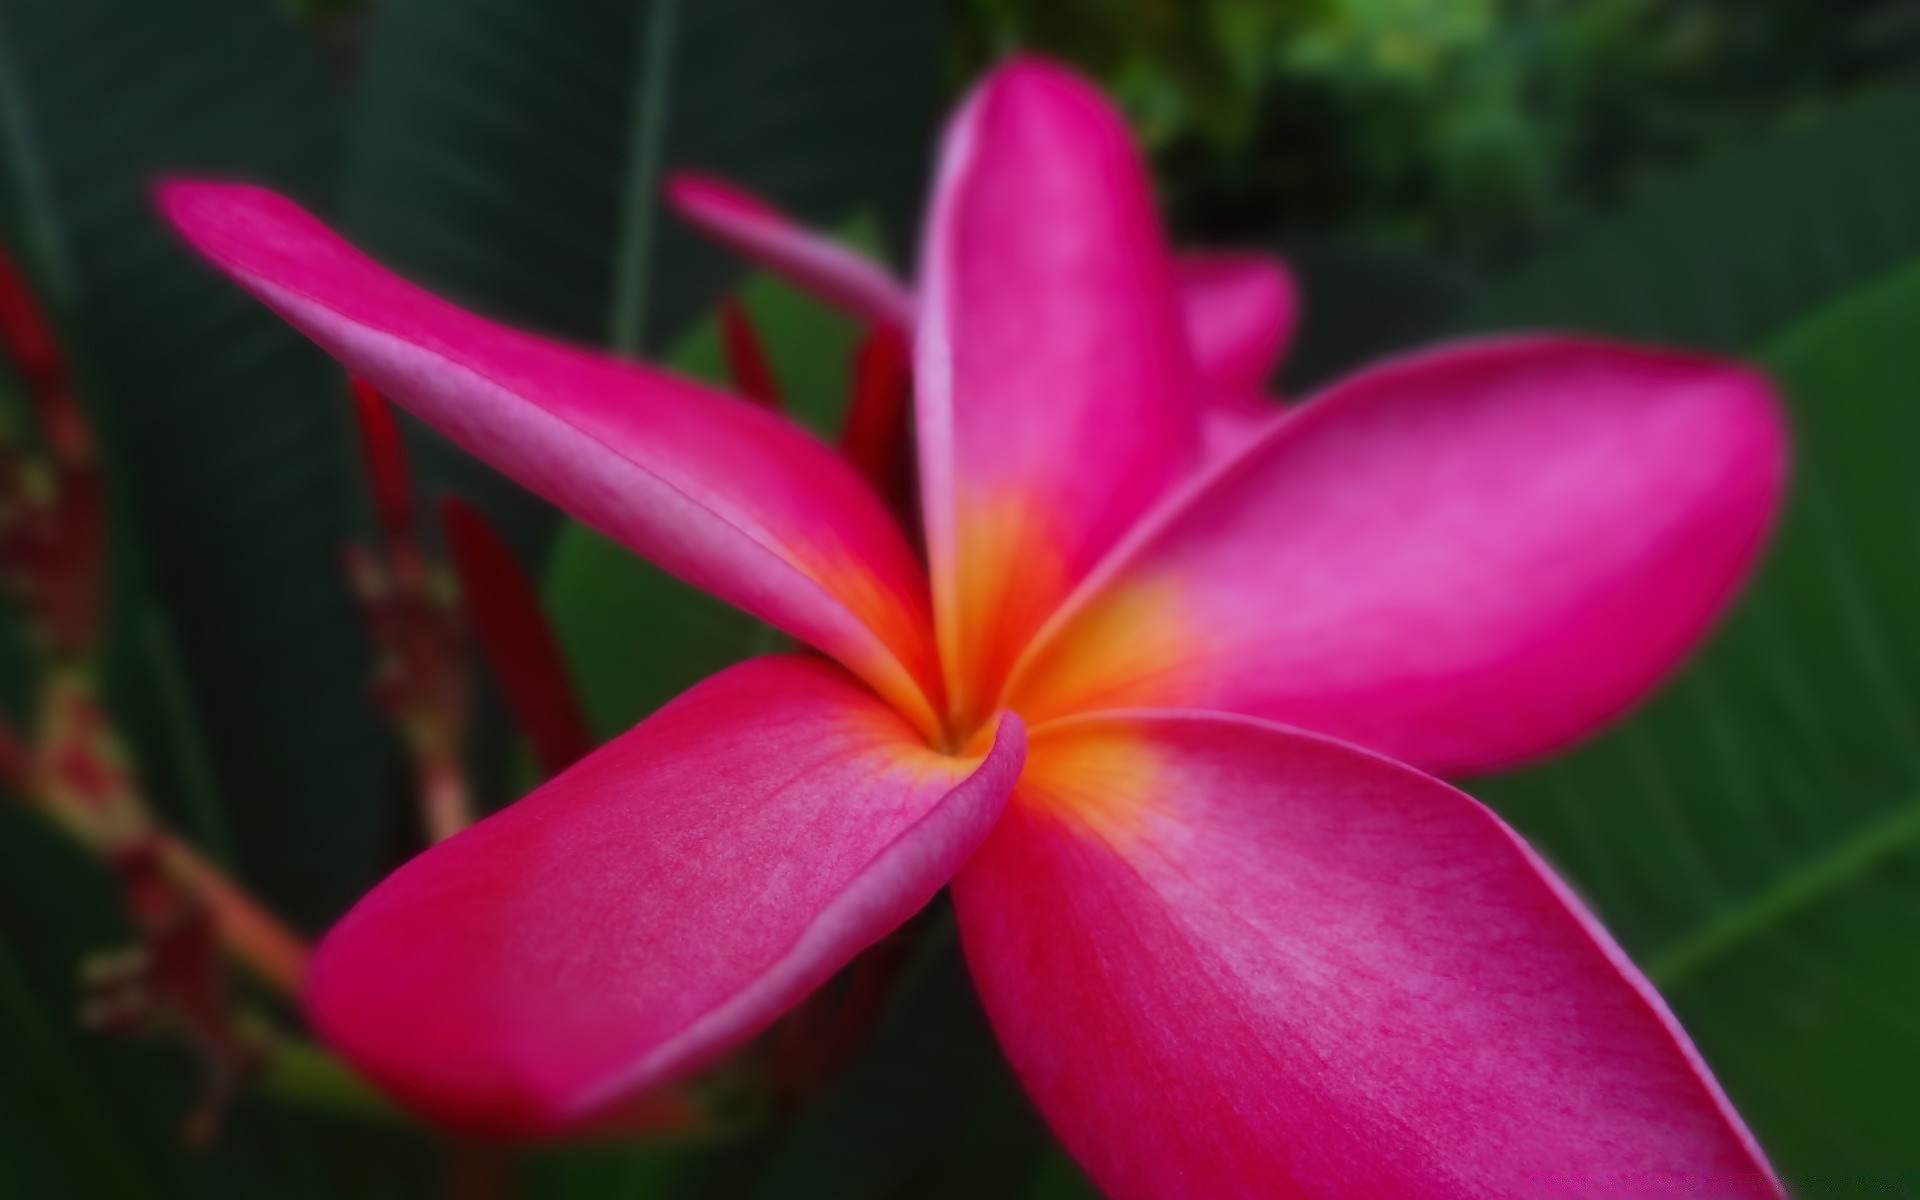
pixel 874 438
pixel 504 612
pixel 29 341
pixel 746 357
pixel 386 468
pixel 256 938
pixel 445 805
pixel 64 552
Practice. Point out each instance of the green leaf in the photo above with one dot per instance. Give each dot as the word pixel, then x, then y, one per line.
pixel 1753 835
pixel 509 152
pixel 633 636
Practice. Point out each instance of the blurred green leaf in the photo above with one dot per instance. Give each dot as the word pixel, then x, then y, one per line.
pixel 634 637
pixel 509 152
pixel 1753 835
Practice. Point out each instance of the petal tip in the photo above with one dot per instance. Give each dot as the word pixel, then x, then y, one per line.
pixel 697 195
pixel 514 1105
pixel 194 204
pixel 1031 75
pixel 240 227
pixel 1027 87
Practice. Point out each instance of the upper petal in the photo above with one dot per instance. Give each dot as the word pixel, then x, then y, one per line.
pixel 714 489
pixel 1464 558
pixel 1053 382
pixel 1230 960
pixel 1241 310
pixel 655 905
pixel 811 261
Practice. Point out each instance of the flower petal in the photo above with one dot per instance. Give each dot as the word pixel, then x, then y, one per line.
pixel 1463 559
pixel 655 905
pixel 1233 960
pixel 1054 385
pixel 813 262
pixel 716 490
pixel 1241 311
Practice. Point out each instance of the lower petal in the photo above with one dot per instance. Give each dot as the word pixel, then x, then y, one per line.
pixel 654 906
pixel 1233 960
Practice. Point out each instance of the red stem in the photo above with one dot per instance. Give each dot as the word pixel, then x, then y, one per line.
pixel 746 357
pixel 505 615
pixel 386 468
pixel 877 414
pixel 273 952
pixel 445 805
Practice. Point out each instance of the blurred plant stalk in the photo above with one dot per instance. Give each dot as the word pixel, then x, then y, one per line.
pixel 412 611
pixel 74 768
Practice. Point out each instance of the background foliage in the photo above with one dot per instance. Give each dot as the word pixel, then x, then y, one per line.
pixel 1742 177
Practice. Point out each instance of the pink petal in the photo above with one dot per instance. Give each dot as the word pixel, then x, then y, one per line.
pixel 1231 960
pixel 654 906
pixel 1464 558
pixel 1055 392
pixel 1241 311
pixel 813 262
pixel 716 490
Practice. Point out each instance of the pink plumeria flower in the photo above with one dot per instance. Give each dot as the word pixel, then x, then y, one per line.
pixel 1230 952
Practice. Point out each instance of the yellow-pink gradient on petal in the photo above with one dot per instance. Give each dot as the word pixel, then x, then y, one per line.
pixel 1095 778
pixel 1009 572
pixel 907 672
pixel 1134 644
